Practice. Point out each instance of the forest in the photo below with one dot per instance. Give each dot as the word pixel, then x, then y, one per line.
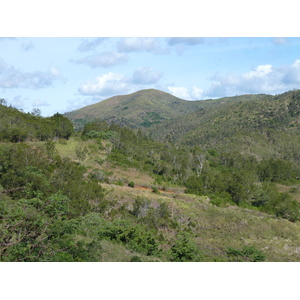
pixel 108 192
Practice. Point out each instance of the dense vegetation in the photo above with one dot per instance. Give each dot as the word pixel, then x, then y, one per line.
pixel 16 126
pixel 227 177
pixel 217 181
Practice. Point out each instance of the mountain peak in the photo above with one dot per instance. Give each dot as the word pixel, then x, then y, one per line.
pixel 143 108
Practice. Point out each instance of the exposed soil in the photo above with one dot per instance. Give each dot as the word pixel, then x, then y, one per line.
pixel 148 189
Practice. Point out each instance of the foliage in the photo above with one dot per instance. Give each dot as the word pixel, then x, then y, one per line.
pixel 131 184
pixel 136 237
pixel 184 249
pixel 246 254
pixel 16 126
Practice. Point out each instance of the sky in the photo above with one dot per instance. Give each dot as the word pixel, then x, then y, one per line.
pixel 60 74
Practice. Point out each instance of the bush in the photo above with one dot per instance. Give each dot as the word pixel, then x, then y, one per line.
pixel 221 199
pixel 247 254
pixel 135 259
pixel 136 237
pixel 184 249
pixel 131 184
pixel 155 190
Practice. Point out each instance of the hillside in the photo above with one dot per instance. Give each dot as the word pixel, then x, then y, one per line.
pixel 146 108
pixel 141 109
pixel 16 126
pixel 265 126
pixel 78 205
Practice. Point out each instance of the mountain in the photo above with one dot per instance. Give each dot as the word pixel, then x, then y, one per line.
pixel 146 108
pixel 140 109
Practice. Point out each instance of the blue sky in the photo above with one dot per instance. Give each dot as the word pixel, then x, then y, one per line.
pixel 65 73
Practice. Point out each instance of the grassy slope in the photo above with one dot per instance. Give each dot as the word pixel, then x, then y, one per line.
pixel 216 228
pixel 145 107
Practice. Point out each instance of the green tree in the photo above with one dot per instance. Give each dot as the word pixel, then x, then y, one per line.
pixel 184 249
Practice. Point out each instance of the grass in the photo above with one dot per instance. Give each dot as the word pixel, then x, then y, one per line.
pixel 218 228
pixel 215 228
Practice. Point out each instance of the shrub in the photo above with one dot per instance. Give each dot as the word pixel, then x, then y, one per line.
pixel 140 207
pixel 135 259
pixel 131 184
pixel 184 249
pixel 247 254
pixel 136 237
pixel 155 190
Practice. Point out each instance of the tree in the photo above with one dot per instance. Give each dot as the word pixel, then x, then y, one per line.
pixel 36 112
pixel 3 102
pixel 184 249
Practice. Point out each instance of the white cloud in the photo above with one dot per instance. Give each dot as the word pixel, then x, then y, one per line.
pixel 197 93
pixel 292 73
pixel 259 71
pixel 181 43
pixel 135 44
pixel 111 84
pixel 182 92
pixel 88 45
pixel 104 59
pixel 106 85
pixel 262 79
pixel 146 75
pixel 10 77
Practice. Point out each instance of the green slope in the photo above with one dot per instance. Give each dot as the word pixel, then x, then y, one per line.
pixel 141 109
pixel 16 126
pixel 265 125
pixel 147 108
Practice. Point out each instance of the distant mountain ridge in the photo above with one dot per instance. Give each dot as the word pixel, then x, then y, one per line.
pixel 262 125
pixel 145 109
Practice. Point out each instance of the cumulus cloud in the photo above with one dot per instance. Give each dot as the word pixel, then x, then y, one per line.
pixel 259 71
pixel 88 45
pixel 181 43
pixel 111 84
pixel 182 92
pixel 135 44
pixel 146 75
pixel 10 77
pixel 262 79
pixel 104 59
pixel 291 74
pixel 106 85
